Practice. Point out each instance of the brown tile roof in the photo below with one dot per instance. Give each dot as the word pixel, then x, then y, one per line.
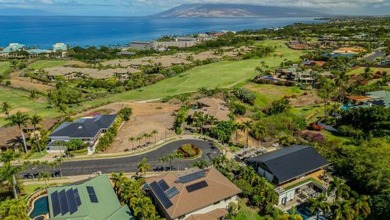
pixel 213 215
pixel 218 188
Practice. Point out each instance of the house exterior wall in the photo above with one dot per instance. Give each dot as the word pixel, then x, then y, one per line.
pixel 267 175
pixel 223 204
pixel 286 196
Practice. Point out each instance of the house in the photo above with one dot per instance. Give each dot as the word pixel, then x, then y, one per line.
pixel 201 194
pixel 137 45
pixel 11 49
pixel 88 129
pixel 210 106
pixel 92 199
pixel 311 63
pixel 381 98
pixel 60 48
pixel 297 172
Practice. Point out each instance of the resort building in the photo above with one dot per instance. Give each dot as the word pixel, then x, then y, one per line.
pixel 11 50
pixel 137 45
pixel 203 194
pixel 60 47
pixel 297 172
pixel 87 129
pixel 93 199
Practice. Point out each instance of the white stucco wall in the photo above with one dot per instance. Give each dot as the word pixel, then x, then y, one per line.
pixel 289 194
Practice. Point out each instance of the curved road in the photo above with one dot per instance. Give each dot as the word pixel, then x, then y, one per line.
pixel 129 164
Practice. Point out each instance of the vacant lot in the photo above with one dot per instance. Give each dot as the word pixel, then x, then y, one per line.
pixel 360 70
pixel 4 67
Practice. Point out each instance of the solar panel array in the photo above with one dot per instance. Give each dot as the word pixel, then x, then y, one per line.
pixel 191 177
pixel 92 194
pixel 172 192
pixel 160 195
pixel 65 201
pixel 196 186
pixel 163 185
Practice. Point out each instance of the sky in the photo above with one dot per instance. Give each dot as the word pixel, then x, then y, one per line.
pixel 148 7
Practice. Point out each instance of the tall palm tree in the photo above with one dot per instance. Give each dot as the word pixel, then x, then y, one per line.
pixel 132 139
pixel 119 180
pixel 342 210
pixel 144 166
pixel 6 107
pixel 143 207
pixel 8 172
pixel 33 95
pixel 361 206
pixel 139 138
pixel 318 204
pixel 154 133
pixel 35 120
pixel 338 186
pixel 19 119
pixel 45 176
pixel 246 127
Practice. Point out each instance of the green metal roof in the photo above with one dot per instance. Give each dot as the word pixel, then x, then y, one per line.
pixel 381 97
pixel 107 207
pixel 59 46
pixel 37 51
pixel 12 47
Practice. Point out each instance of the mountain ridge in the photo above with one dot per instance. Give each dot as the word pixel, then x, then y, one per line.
pixel 235 10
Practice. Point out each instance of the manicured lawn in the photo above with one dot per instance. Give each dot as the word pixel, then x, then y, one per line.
pixel 281 49
pixel 4 67
pixel 20 102
pixel 246 213
pixel 41 64
pixel 332 137
pixel 266 94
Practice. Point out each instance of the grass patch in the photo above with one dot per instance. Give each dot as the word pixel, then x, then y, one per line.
pixel 360 70
pixel 20 102
pixel 5 69
pixel 266 93
pixel 246 212
pixel 334 137
pixel 42 64
pixel 309 112
pixel 30 188
pixel 302 182
pixel 281 49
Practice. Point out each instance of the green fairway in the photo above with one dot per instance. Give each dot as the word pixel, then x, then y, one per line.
pixel 266 94
pixel 5 68
pixel 20 102
pixel 282 51
pixel 42 64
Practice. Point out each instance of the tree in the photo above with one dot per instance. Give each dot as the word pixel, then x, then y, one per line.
pixel 35 120
pixel 13 209
pixel 139 138
pixel 325 89
pixel 119 180
pixel 154 133
pixel 339 187
pixel 247 126
pixel 143 207
pixel 318 204
pixel 19 119
pixel 8 172
pixel 6 107
pixel 45 176
pixel 201 164
pixel 125 113
pixel 33 95
pixel 144 166
pixel 341 210
pixel 132 139
pixel 361 206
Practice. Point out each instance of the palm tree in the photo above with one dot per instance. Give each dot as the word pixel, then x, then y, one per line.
pixel 342 209
pixel 118 180
pixel 8 174
pixel 35 120
pixel 361 206
pixel 318 204
pixel 144 166
pixel 132 139
pixel 33 95
pixel 143 207
pixel 44 176
pixel 139 138
pixel 338 186
pixel 58 161
pixel 246 127
pixel 154 133
pixel 19 119
pixel 294 215
pixel 6 107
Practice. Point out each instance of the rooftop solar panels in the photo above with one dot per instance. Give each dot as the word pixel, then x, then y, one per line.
pixel 172 192
pixel 64 202
pixel 196 186
pixel 191 177
pixel 92 194
pixel 163 185
pixel 159 193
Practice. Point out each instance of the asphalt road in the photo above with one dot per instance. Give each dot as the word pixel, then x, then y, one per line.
pixel 129 164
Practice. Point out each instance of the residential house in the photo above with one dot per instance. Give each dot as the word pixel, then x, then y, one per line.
pixel 202 194
pixel 297 172
pixel 379 98
pixel 60 48
pixel 92 199
pixel 87 129
pixel 312 63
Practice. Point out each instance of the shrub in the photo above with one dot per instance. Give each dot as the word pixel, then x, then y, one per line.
pixel 189 150
pixel 125 113
pixel 316 127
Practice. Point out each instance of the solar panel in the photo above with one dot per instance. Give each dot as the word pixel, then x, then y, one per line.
pixel 163 185
pixel 63 202
pixel 191 177
pixel 92 194
pixel 71 201
pixel 77 197
pixel 55 203
pixel 172 192
pixel 196 186
pixel 160 195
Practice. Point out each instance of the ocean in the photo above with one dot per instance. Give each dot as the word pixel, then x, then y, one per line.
pixel 44 31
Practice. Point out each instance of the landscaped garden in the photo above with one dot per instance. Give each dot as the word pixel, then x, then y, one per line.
pixel 189 151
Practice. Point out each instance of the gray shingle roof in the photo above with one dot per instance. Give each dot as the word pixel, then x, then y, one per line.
pixel 84 127
pixel 291 162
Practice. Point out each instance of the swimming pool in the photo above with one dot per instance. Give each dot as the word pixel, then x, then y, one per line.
pixel 40 207
pixel 303 210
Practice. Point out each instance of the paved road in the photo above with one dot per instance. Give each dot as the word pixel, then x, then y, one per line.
pixel 129 164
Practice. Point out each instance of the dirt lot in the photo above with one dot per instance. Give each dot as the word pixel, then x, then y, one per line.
pixel 304 100
pixel 145 118
pixel 28 83
pixel 94 73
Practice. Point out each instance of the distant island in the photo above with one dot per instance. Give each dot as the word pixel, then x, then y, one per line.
pixel 236 10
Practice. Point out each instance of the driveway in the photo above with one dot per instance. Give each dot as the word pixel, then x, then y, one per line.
pixel 129 164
